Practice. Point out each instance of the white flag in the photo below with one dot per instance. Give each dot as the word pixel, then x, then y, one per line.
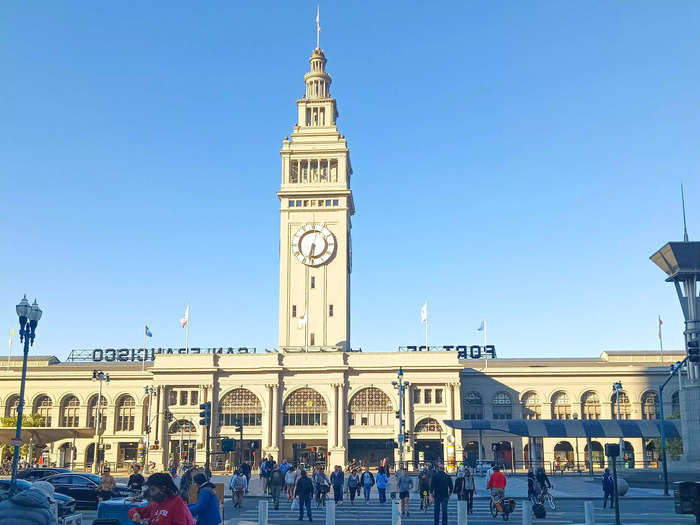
pixel 481 328
pixel 302 320
pixel 424 313
pixel 186 320
pixel 318 20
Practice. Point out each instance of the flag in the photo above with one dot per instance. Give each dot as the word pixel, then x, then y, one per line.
pixel 302 320
pixel 481 327
pixel 424 313
pixel 148 332
pixel 186 320
pixel 318 20
pixel 12 335
pixel 660 325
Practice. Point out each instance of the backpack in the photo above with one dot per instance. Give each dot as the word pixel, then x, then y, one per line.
pixel 352 482
pixel 238 483
pixel 539 511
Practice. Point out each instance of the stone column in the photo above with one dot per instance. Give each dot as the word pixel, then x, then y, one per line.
pixel 267 421
pixel 333 418
pixel 275 444
pixel 340 437
pixel 690 423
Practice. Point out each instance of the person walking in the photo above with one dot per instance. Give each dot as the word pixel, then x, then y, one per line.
pixel 106 486
pixel 136 481
pixel 608 489
pixel 206 508
pixel 464 487
pixel 290 479
pixel 531 485
pixel 470 488
pixel 353 486
pixel 34 506
pixel 440 489
pixel 239 486
pixel 405 484
pixel 367 482
pixel 393 484
pixel 246 470
pixel 304 491
pixel 165 507
pixel 285 466
pixel 338 482
pixel 382 482
pixel 542 483
pixel 276 482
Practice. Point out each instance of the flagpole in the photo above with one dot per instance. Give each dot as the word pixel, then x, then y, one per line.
pixel 187 337
pixel 9 355
pixel 143 360
pixel 427 348
pixel 307 299
pixel 661 341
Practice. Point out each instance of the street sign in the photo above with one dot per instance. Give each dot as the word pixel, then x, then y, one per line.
pixel 16 442
pixel 401 438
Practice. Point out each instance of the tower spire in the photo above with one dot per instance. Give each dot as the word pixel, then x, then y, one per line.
pixel 318 27
pixel 685 228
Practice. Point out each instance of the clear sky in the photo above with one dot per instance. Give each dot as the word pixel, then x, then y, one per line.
pixel 516 162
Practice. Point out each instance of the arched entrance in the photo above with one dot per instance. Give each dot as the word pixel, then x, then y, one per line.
pixel 563 456
pixel 90 455
pixel 428 445
pixel 597 453
pixel 370 408
pixel 503 454
pixel 627 454
pixel 651 456
pixel 471 453
pixel 65 455
pixel 183 440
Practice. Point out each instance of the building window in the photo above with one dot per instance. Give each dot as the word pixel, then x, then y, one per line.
pixel 532 406
pixel 328 202
pixel 183 397
pixel 625 407
pixel 305 407
pixel 502 406
pixel 194 397
pixel 561 407
pixel 92 412
pixel 313 282
pixel 294 310
pixel 590 406
pixel 330 310
pixel 42 406
pixel 427 396
pixel 416 396
pixel 312 340
pixel 428 425
pixel 12 406
pixel 298 203
pixel 291 204
pixel 371 407
pixel 125 413
pixel 240 405
pixel 320 203
pixel 70 412
pixel 473 406
pixel 172 397
pixel 650 406
pixel 335 202
pixel 306 203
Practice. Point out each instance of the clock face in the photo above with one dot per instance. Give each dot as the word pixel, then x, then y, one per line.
pixel 313 244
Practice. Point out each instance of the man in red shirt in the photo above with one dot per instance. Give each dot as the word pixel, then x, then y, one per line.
pixel 166 507
pixel 497 484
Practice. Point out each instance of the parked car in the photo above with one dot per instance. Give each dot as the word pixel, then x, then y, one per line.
pixel 66 504
pixel 83 487
pixel 35 474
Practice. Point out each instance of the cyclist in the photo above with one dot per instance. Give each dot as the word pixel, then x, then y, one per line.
pixel 497 483
pixel 423 488
pixel 323 485
pixel 543 483
pixel 531 486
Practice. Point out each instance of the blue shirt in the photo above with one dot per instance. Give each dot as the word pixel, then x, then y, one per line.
pixel 284 467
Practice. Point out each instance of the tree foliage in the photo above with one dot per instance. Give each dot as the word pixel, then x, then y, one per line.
pixel 31 420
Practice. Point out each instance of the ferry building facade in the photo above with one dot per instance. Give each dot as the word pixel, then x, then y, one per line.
pixel 314 399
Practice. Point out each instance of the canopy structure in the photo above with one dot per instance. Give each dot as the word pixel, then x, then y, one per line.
pixel 41 435
pixel 561 428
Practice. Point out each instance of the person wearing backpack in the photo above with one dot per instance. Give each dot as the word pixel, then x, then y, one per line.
pixel 276 483
pixel 367 482
pixel 353 486
pixel 382 482
pixel 239 484
pixel 338 481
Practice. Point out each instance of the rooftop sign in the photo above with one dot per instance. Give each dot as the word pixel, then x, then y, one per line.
pixel 463 351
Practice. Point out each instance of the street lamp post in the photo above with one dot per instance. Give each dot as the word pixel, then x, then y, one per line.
pixel 29 316
pixel 98 375
pixel 676 367
pixel 401 386
pixel 150 392
pixel 617 387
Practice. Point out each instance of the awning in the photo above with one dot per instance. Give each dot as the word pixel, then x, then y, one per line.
pixel 41 435
pixel 593 428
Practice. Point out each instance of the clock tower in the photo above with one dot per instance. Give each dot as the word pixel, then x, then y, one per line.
pixel 316 207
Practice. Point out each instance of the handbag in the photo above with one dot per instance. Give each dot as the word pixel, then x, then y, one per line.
pixel 295 504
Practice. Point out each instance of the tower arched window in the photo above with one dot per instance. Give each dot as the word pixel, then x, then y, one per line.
pixel 305 407
pixel 473 406
pixel 625 411
pixel 502 406
pixel 561 406
pixel 590 405
pixel 42 406
pixel 126 413
pixel 70 412
pixel 428 425
pixel 240 405
pixel 371 407
pixel 11 406
pixel 532 406
pixel 650 405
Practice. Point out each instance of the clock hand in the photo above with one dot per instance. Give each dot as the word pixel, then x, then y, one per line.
pixel 312 250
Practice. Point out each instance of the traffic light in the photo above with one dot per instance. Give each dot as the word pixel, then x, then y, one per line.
pixel 694 351
pixel 148 430
pixel 398 414
pixel 205 413
pixel 239 425
pixel 168 416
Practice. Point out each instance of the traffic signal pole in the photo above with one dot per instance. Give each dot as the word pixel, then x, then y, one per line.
pixel 205 415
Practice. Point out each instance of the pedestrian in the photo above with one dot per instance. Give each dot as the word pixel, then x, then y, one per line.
pixel 285 466
pixel 440 489
pixel 423 485
pixel 542 483
pixel 353 486
pixel 338 482
pixel 206 509
pixel 136 481
pixel 239 486
pixel 34 506
pixel 393 484
pixel 106 486
pixel 405 484
pixel 290 478
pixel 227 466
pixel 303 490
pixel 185 482
pixel 164 507
pixel 470 488
pixel 608 489
pixel 382 482
pixel 276 482
pixel 367 482
pixel 531 485
pixel 264 475
pixel 497 483
pixel 246 470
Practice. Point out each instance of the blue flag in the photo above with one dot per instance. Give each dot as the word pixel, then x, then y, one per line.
pixel 148 332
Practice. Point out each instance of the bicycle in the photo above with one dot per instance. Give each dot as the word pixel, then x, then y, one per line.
pixel 505 508
pixel 425 500
pixel 548 499
pixel 321 497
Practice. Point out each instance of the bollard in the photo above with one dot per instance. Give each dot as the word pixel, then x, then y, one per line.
pixel 588 511
pixel 527 512
pixel 462 518
pixel 330 512
pixel 395 512
pixel 262 512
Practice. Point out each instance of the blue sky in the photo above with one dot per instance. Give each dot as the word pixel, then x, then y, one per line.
pixel 513 161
